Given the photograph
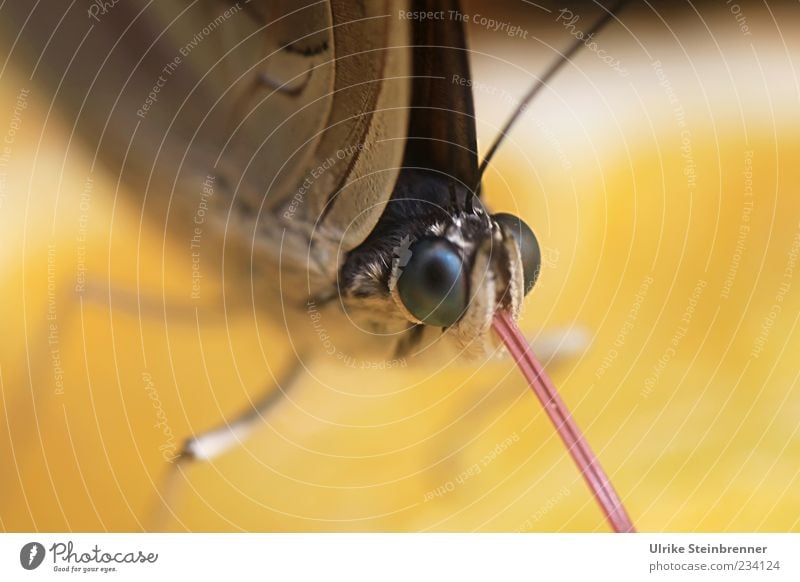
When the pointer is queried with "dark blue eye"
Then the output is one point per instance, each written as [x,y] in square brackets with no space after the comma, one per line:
[433,285]
[528,247]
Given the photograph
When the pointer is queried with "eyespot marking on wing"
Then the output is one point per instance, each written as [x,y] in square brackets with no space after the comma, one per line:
[310,50]
[275,85]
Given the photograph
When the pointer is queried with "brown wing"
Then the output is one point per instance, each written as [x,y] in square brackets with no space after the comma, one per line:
[295,111]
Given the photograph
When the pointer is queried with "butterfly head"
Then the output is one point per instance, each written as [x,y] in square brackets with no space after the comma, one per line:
[458,279]
[445,267]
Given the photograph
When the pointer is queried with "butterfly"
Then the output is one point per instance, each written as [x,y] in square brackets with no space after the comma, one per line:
[319,158]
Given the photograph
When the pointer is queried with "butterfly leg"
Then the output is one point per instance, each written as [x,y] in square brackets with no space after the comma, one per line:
[209,445]
[152,307]
[561,343]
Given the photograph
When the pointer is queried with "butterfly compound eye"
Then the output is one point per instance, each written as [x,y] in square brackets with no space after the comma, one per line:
[528,247]
[433,285]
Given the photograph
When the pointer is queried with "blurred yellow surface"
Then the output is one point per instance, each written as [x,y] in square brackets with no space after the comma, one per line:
[688,391]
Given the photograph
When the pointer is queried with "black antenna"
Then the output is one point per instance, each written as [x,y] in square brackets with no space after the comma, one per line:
[554,68]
